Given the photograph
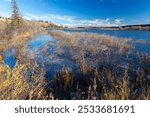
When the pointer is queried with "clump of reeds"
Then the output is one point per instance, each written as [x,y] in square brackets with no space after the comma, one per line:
[90,49]
[63,84]
[24,81]
[102,85]
[103,54]
[101,74]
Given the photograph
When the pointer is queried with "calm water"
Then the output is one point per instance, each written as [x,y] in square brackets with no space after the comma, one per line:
[117,33]
[43,47]
[133,34]
[49,58]
[34,46]
[9,57]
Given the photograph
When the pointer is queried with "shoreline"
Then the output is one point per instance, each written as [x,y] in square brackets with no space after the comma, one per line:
[138,27]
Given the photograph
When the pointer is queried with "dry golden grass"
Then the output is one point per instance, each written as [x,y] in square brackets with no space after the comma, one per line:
[19,82]
[27,31]
[24,81]
[102,86]
[98,58]
[88,49]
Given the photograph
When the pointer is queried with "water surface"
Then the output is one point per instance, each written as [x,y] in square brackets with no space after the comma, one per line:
[43,47]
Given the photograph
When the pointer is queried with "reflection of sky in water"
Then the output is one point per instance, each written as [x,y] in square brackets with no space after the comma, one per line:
[118,33]
[53,62]
[39,41]
[9,57]
[133,34]
[44,50]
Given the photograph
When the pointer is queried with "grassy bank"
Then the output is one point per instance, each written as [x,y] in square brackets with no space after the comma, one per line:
[29,29]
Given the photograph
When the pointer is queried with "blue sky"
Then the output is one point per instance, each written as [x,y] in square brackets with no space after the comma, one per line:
[83,12]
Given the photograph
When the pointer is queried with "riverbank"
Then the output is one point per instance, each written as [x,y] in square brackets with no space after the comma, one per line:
[20,82]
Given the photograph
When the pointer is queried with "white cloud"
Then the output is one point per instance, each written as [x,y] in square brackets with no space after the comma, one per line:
[68,18]
[95,22]
[5,14]
[71,21]
[118,21]
[49,17]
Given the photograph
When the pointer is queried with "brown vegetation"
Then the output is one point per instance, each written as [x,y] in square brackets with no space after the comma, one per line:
[107,67]
[101,74]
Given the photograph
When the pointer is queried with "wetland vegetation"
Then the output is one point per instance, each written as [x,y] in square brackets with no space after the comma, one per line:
[48,64]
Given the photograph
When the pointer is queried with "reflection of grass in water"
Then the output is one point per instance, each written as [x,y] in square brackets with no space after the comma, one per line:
[101,76]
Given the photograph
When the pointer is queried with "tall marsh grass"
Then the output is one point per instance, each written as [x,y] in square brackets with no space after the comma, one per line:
[107,70]
[108,66]
[24,81]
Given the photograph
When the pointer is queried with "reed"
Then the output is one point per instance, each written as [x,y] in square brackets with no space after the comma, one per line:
[107,70]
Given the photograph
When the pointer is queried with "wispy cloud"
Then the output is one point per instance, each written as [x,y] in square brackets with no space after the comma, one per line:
[49,16]
[96,22]
[5,14]
[72,21]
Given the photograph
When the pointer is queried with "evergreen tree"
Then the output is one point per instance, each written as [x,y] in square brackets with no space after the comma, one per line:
[16,18]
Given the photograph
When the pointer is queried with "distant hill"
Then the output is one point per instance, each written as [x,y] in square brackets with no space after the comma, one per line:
[125,27]
[131,27]
[47,24]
